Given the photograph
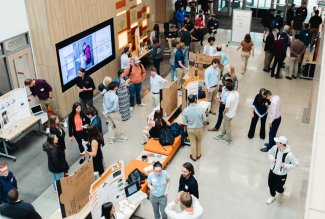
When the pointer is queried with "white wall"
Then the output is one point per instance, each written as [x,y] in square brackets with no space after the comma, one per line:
[13,18]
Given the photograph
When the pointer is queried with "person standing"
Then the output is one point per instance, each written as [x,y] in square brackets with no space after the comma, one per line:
[211,79]
[282,160]
[222,101]
[125,57]
[267,22]
[275,118]
[172,62]
[95,120]
[187,181]
[186,39]
[44,92]
[209,48]
[314,22]
[279,52]
[57,164]
[193,118]
[111,112]
[7,182]
[213,25]
[302,10]
[196,36]
[123,95]
[297,50]
[305,35]
[56,129]
[16,208]
[247,47]
[136,73]
[188,24]
[290,14]
[229,113]
[180,64]
[190,204]
[158,183]
[86,87]
[296,24]
[103,87]
[156,84]
[155,34]
[180,17]
[259,108]
[225,59]
[271,37]
[95,144]
[232,76]
[156,55]
[77,122]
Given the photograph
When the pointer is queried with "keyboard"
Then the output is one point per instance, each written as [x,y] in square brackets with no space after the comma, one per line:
[137,197]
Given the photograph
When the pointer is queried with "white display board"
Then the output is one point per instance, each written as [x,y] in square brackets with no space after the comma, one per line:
[108,188]
[13,107]
[241,24]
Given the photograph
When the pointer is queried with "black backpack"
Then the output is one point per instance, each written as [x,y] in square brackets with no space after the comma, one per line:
[283,157]
[166,137]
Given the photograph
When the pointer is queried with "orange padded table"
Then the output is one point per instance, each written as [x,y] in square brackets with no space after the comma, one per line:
[141,166]
[155,147]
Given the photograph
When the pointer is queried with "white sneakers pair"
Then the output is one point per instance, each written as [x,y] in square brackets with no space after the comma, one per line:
[273,198]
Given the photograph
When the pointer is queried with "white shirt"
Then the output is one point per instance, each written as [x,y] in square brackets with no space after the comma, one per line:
[156,83]
[274,108]
[211,76]
[232,103]
[209,50]
[124,61]
[290,160]
[196,214]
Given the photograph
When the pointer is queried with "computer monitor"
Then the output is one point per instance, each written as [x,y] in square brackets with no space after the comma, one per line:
[132,188]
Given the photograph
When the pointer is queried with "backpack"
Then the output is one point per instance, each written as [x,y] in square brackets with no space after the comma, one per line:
[283,157]
[166,137]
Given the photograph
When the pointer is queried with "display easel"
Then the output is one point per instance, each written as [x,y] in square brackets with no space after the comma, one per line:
[241,25]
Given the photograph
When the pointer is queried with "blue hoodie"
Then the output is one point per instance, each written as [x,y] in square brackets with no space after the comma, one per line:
[6,183]
[180,16]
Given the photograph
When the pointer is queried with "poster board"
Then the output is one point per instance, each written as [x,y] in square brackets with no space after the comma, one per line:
[168,99]
[109,187]
[241,24]
[13,107]
[192,87]
[198,63]
[73,190]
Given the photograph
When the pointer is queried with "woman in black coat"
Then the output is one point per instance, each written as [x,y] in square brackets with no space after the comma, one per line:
[56,162]
[260,106]
[56,129]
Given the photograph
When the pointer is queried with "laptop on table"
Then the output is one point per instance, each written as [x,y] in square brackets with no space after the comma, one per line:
[133,193]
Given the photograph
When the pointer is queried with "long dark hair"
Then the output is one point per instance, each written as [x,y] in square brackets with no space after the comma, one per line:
[53,122]
[260,98]
[158,117]
[248,38]
[74,107]
[50,141]
[156,28]
[106,210]
[94,134]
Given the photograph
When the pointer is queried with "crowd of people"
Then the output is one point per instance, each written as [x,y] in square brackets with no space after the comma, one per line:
[121,95]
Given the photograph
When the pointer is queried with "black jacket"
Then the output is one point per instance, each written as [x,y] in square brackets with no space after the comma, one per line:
[60,135]
[19,210]
[290,16]
[72,126]
[269,42]
[267,20]
[56,161]
[189,185]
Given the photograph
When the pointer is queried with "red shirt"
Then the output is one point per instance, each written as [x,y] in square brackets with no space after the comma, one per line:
[199,22]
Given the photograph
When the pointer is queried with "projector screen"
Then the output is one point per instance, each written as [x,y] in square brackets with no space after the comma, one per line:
[90,49]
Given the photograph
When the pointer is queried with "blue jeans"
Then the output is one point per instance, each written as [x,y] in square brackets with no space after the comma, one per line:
[135,90]
[159,204]
[186,54]
[57,176]
[275,125]
[172,72]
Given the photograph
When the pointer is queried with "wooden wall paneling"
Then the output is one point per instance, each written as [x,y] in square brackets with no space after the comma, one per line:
[168,102]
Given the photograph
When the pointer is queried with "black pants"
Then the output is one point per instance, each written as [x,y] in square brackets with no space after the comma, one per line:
[272,133]
[79,136]
[220,115]
[156,64]
[278,64]
[276,183]
[254,121]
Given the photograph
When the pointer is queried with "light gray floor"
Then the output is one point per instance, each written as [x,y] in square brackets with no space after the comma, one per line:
[232,179]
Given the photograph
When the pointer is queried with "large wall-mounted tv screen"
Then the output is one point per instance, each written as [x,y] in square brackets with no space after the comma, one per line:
[90,49]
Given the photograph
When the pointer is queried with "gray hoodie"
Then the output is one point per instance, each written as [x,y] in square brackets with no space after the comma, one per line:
[289,162]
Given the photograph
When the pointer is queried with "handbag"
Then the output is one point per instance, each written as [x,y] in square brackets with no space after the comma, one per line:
[136,175]
[166,137]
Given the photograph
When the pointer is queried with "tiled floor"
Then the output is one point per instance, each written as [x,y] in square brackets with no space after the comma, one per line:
[232,179]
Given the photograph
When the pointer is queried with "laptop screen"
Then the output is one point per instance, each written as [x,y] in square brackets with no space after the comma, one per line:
[132,188]
[36,109]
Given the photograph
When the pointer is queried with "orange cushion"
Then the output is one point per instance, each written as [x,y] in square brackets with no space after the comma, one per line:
[140,165]
[155,147]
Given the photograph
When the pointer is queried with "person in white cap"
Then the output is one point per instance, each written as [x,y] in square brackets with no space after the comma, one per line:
[282,160]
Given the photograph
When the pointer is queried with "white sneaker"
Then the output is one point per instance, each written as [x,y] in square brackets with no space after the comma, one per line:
[131,108]
[270,200]
[121,139]
[65,124]
[142,104]
[47,130]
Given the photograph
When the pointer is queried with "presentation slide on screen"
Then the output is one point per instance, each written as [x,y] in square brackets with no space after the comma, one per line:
[85,53]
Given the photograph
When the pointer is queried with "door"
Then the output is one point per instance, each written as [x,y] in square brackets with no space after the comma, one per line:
[21,67]
[225,7]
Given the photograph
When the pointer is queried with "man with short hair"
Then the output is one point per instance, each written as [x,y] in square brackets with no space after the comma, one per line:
[302,10]
[187,181]
[180,17]
[156,84]
[213,25]
[275,118]
[7,182]
[197,36]
[191,205]
[290,14]
[209,48]
[193,118]
[297,50]
[296,24]
[279,52]
[16,208]
[229,113]
[305,35]
[113,115]
[282,160]
[271,37]
[188,24]
[136,73]
[86,87]
[186,39]
[225,59]
[44,92]
[315,21]
[95,120]
[211,79]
